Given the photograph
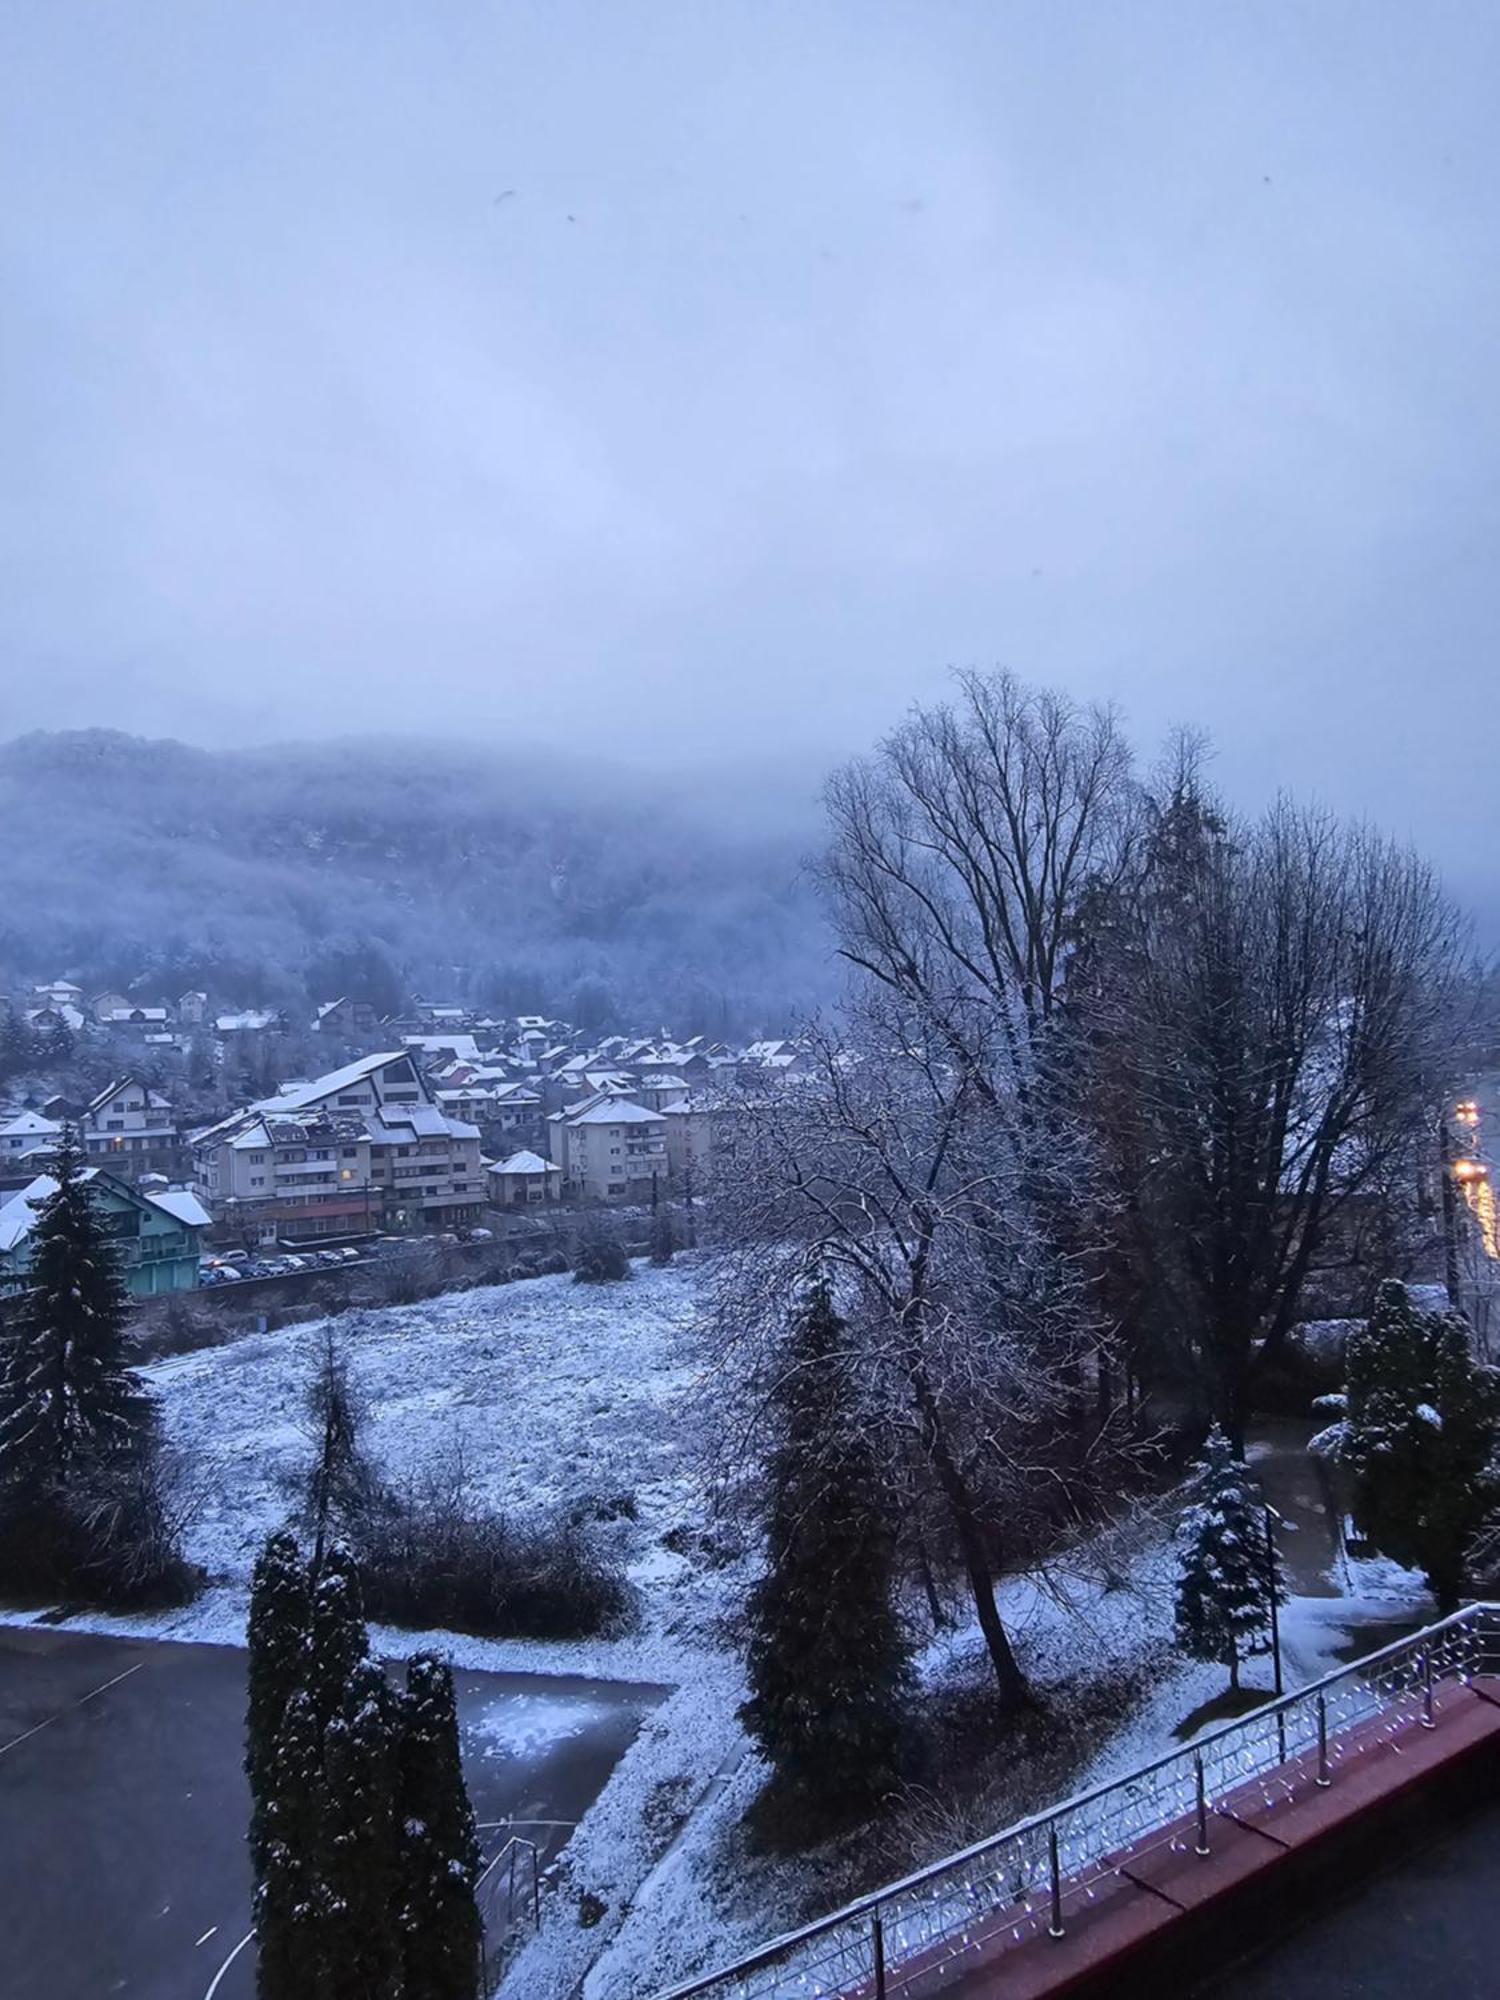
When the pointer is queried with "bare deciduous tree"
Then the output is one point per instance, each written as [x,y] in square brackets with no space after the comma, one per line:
[961,857]
[1273,1035]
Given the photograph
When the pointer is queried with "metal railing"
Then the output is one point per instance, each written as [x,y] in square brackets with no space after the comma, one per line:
[510,1882]
[1031,1877]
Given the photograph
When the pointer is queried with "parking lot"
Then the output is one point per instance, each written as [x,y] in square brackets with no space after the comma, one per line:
[123,1805]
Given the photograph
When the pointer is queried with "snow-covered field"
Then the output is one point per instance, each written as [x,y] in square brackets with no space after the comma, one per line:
[552,1396]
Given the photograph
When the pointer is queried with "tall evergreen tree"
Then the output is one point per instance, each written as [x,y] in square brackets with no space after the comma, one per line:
[17,1044]
[66,1392]
[1229,1569]
[663,1239]
[339,1642]
[278,1640]
[441,1932]
[358,1870]
[1418,1433]
[342,1486]
[828,1659]
[291,1905]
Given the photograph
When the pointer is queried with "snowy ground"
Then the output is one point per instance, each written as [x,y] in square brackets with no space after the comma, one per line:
[556,1394]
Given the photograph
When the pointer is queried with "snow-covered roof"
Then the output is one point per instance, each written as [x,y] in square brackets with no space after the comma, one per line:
[184,1204]
[256,1133]
[247,1022]
[29,1124]
[18,1216]
[525,1163]
[154,1101]
[613,1111]
[327,1086]
[461,1046]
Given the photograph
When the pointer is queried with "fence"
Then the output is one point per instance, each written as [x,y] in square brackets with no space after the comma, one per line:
[1030,1877]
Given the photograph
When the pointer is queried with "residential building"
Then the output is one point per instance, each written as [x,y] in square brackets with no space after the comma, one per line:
[696,1133]
[57,993]
[353,1019]
[609,1149]
[129,1128]
[525,1180]
[158,1235]
[251,1021]
[28,1132]
[365,1147]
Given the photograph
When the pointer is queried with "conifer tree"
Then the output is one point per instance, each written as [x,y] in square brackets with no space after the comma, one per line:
[1418,1434]
[278,1640]
[828,1660]
[663,1241]
[17,1044]
[358,1872]
[66,1392]
[1225,1583]
[441,1933]
[339,1642]
[291,1905]
[342,1487]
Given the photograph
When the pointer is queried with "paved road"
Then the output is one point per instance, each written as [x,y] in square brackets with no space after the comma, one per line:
[123,1806]
[1429,1926]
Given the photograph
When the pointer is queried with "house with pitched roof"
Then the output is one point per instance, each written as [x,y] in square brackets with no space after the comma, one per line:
[158,1236]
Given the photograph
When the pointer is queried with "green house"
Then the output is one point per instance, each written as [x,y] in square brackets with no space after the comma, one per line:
[158,1233]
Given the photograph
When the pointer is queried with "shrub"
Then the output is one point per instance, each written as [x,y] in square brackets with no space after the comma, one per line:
[408,1275]
[116,1548]
[433,1559]
[599,1257]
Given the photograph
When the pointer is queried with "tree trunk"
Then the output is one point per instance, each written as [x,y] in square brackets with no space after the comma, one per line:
[935,1611]
[1014,1693]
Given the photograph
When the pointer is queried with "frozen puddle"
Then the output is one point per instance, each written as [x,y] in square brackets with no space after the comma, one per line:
[527,1726]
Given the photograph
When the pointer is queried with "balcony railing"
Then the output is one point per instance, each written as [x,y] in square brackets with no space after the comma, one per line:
[1029,1877]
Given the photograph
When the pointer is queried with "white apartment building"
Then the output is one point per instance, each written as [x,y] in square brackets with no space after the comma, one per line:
[365,1147]
[609,1149]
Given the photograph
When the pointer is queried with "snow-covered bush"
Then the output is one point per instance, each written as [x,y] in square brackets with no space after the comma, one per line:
[433,1558]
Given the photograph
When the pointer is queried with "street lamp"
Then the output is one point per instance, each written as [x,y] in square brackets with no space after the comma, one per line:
[1272,1521]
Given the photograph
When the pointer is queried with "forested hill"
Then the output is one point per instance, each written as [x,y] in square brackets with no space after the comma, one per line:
[509,881]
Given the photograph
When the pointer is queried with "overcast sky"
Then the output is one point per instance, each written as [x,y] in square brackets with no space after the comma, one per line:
[702,382]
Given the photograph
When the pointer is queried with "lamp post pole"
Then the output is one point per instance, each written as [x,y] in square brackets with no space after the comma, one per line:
[1271,1518]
